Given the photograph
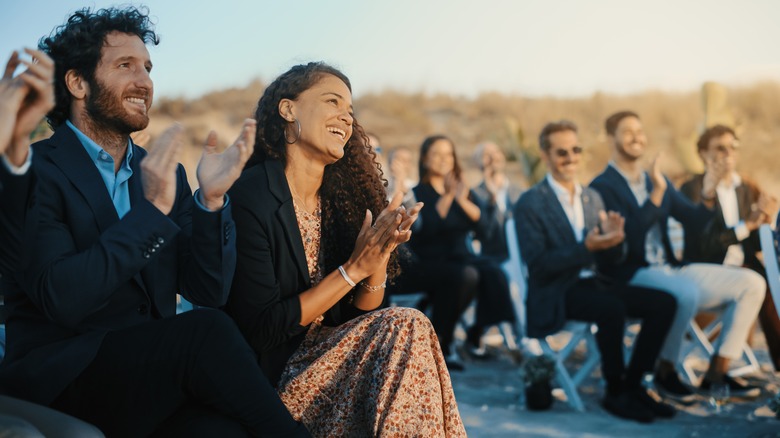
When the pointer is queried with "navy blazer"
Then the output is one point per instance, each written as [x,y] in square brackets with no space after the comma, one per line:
[617,196]
[90,272]
[15,198]
[271,270]
[552,254]
[711,243]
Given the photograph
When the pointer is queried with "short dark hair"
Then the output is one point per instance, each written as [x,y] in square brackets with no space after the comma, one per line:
[713,132]
[614,120]
[552,128]
[78,44]
[425,148]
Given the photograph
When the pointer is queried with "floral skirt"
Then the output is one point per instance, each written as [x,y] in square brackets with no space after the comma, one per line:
[382,374]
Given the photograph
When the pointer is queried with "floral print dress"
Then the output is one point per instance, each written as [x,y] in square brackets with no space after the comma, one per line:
[381,374]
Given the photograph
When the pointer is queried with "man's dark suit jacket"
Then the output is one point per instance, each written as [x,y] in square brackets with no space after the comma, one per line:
[271,270]
[15,197]
[492,237]
[711,243]
[90,272]
[617,196]
[552,254]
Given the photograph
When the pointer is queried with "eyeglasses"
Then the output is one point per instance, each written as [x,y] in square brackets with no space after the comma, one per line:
[563,153]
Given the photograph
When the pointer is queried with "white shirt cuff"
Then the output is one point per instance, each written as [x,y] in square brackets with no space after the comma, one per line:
[741,230]
[21,170]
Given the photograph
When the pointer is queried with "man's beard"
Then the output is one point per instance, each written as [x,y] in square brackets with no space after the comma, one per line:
[621,150]
[106,111]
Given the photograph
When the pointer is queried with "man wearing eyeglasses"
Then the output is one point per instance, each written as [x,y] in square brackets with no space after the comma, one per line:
[741,207]
[647,200]
[563,231]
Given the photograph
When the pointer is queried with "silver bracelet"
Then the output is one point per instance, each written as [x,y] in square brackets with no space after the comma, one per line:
[346,276]
[372,289]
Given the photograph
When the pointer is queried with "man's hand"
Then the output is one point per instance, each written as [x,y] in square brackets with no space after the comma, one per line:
[612,232]
[159,169]
[218,171]
[658,180]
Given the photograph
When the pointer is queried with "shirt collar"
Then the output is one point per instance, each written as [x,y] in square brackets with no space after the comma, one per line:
[625,177]
[736,181]
[94,149]
[561,191]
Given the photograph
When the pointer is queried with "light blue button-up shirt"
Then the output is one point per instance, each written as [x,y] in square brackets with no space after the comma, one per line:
[116,183]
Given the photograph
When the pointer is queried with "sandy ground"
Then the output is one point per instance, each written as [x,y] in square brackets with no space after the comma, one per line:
[489,395]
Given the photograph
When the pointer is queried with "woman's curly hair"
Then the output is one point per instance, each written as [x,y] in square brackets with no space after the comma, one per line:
[78,44]
[350,186]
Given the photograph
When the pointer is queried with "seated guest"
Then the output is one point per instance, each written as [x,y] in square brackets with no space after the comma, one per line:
[92,330]
[313,265]
[740,208]
[497,195]
[647,200]
[563,230]
[443,264]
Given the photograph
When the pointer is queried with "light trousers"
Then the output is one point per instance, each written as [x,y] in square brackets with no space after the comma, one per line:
[735,292]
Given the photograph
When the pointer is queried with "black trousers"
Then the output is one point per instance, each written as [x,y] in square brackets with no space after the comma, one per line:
[609,306]
[189,375]
[450,286]
[494,302]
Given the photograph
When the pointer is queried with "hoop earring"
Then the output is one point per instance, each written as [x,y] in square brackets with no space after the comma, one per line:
[297,136]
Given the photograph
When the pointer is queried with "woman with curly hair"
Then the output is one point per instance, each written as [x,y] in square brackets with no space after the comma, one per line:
[313,266]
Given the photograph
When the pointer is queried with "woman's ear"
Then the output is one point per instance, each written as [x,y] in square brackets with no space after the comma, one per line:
[286,110]
[76,84]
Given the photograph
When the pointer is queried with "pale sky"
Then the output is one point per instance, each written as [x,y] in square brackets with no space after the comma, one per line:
[528,47]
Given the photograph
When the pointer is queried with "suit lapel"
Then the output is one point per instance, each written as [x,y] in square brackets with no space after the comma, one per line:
[743,201]
[72,159]
[590,214]
[558,219]
[285,214]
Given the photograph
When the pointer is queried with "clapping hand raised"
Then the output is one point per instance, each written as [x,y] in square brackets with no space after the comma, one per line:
[376,242]
[609,233]
[218,171]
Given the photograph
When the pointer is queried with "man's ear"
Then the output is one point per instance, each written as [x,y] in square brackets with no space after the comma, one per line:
[286,109]
[77,86]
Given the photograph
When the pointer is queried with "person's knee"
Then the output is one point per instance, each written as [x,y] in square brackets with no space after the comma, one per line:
[470,276]
[755,286]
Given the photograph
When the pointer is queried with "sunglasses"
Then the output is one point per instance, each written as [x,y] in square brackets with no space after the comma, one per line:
[562,153]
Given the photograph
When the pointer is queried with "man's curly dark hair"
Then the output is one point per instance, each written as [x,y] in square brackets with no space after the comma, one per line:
[78,44]
[351,185]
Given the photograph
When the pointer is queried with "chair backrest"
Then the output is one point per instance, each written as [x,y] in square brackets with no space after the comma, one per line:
[769,251]
[515,271]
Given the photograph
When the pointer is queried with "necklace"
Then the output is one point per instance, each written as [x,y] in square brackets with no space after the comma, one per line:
[303,202]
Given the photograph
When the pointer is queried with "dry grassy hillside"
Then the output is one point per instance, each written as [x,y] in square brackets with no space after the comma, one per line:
[672,122]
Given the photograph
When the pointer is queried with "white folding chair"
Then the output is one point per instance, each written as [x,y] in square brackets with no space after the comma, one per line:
[572,335]
[769,251]
[700,339]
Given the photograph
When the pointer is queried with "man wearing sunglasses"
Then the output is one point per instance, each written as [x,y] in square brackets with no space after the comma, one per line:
[741,208]
[563,231]
[647,200]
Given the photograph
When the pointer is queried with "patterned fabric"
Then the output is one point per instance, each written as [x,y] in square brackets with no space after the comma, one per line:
[381,374]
